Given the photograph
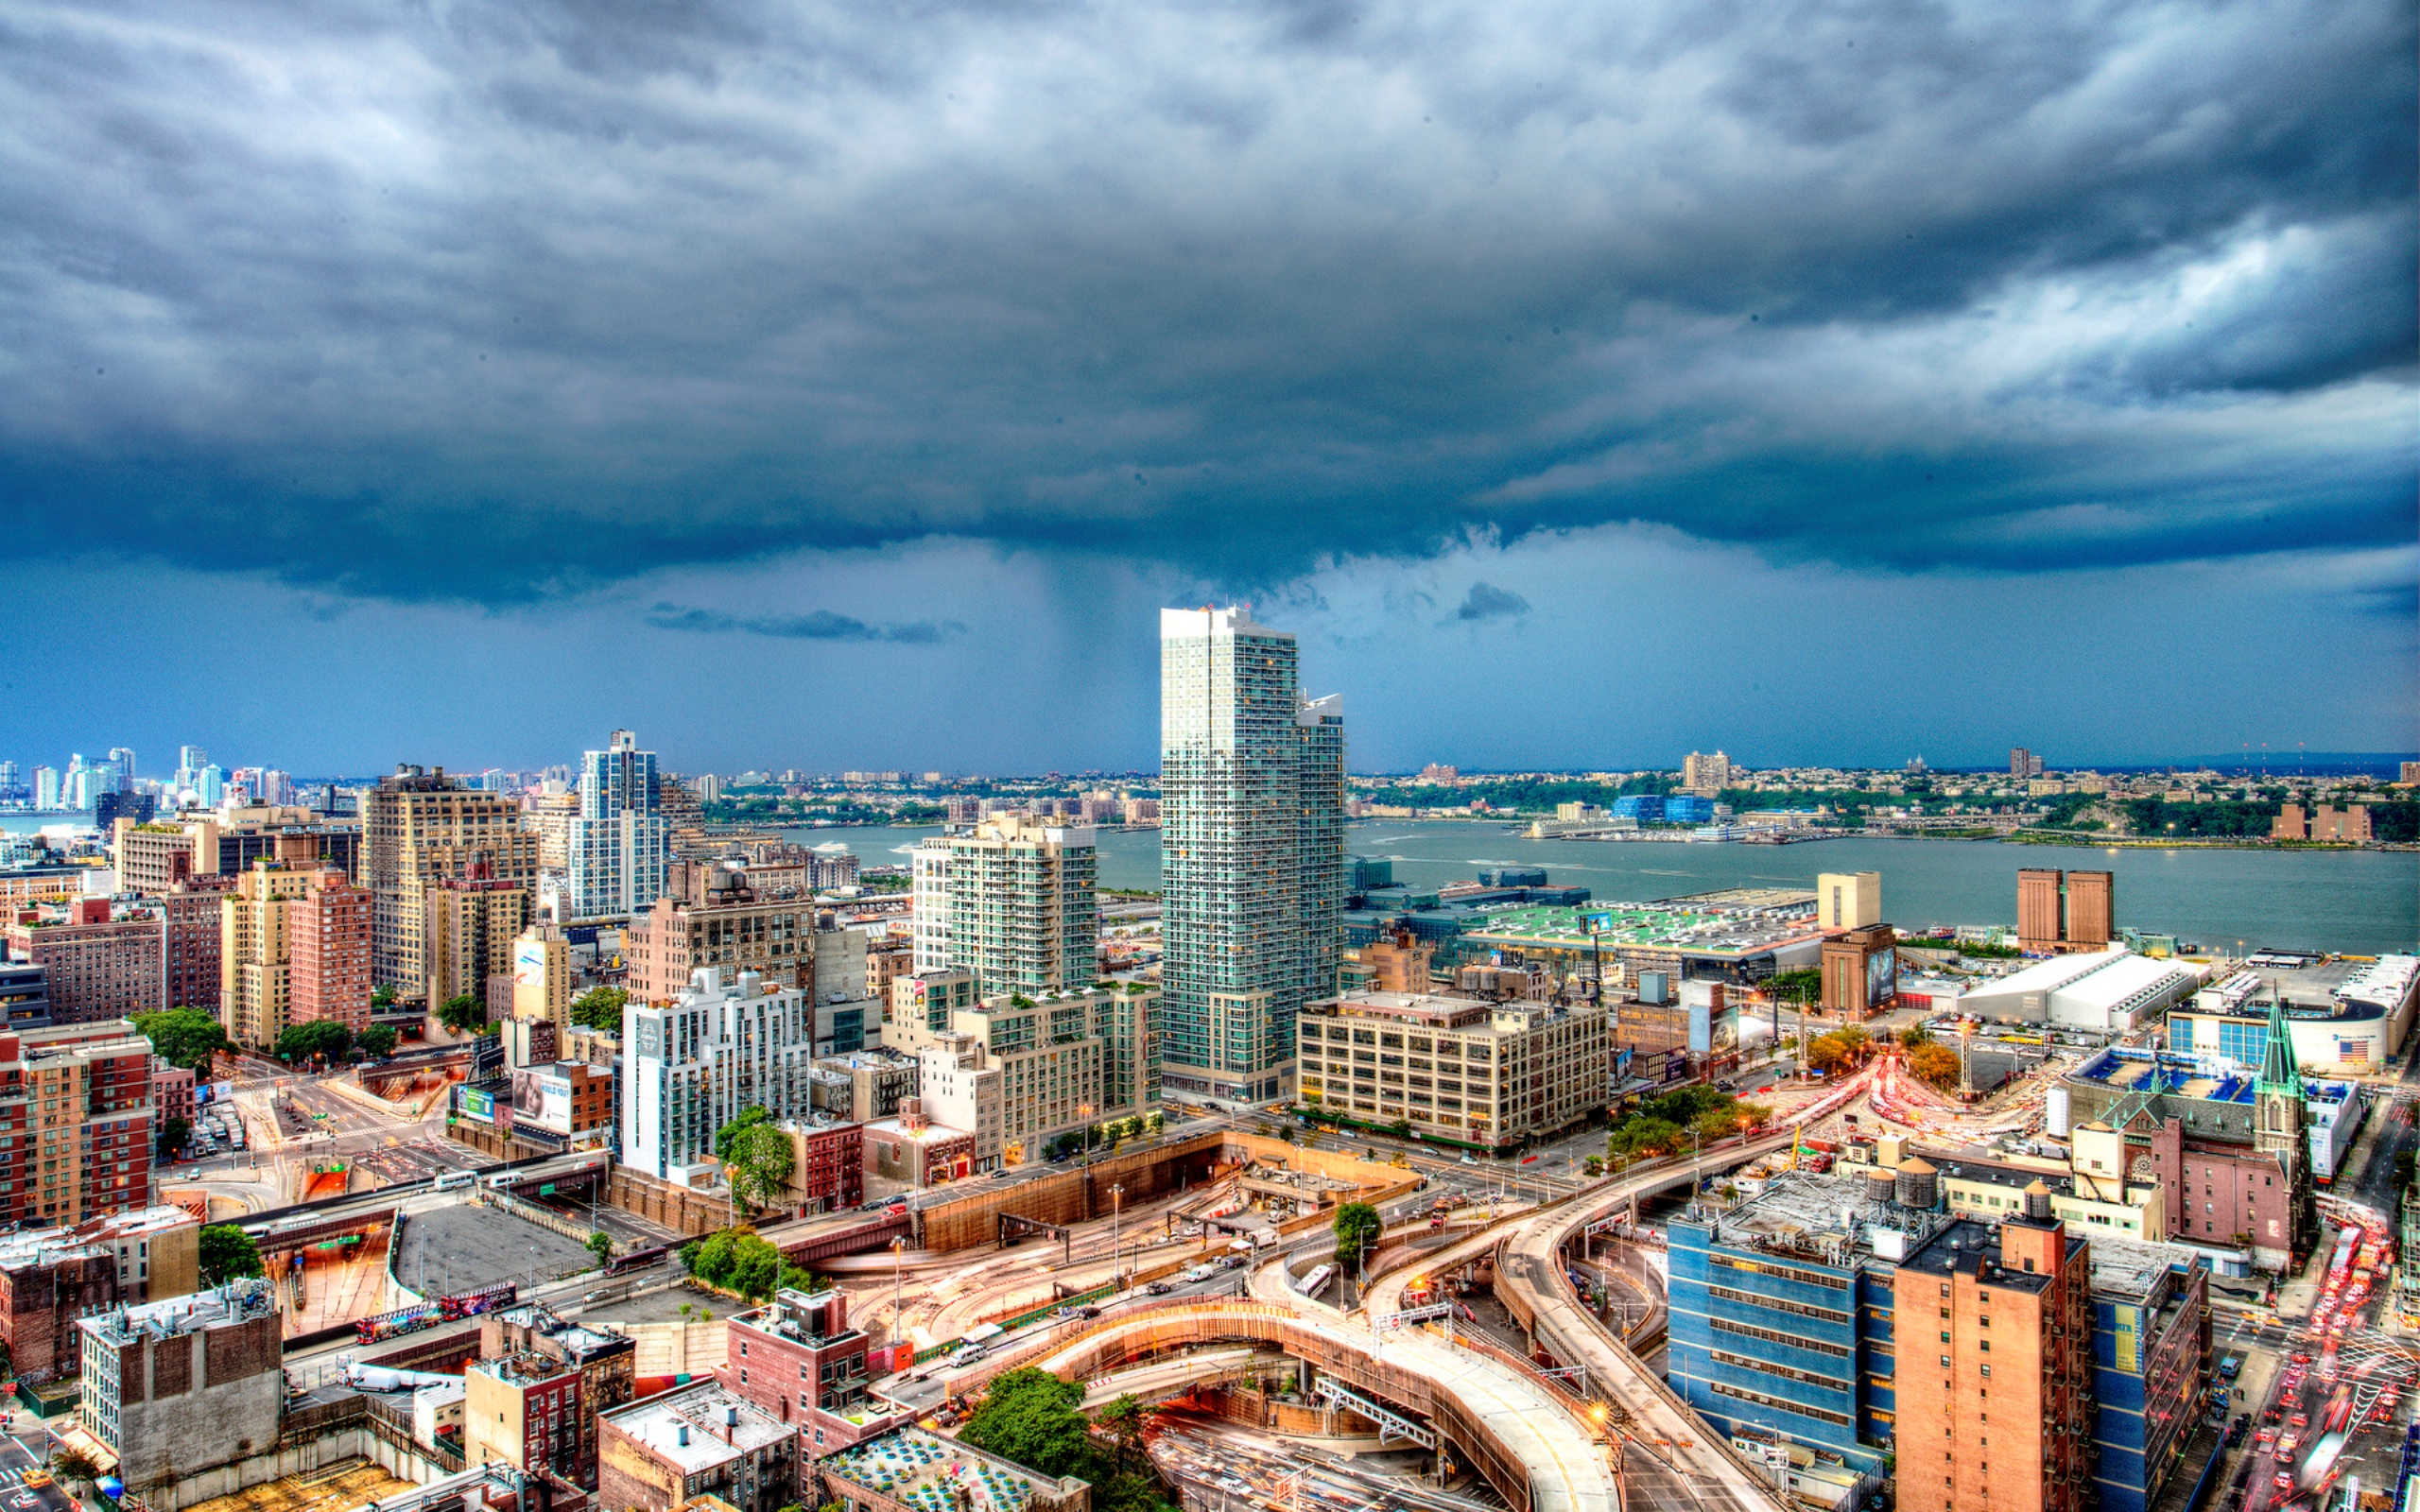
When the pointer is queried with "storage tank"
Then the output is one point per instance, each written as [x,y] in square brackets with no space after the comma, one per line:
[2056,1113]
[2037,1202]
[1880,1186]
[1917,1186]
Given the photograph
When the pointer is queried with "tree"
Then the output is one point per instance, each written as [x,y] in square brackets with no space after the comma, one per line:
[1030,1415]
[183,1036]
[227,1253]
[1936,1064]
[73,1464]
[463,1014]
[724,1137]
[758,1164]
[378,1039]
[601,1244]
[1915,1036]
[174,1133]
[600,1008]
[381,997]
[1593,1166]
[1123,1418]
[309,1041]
[1356,1222]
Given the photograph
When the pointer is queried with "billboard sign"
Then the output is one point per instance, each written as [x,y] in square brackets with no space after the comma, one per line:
[478,1103]
[1881,977]
[541,1099]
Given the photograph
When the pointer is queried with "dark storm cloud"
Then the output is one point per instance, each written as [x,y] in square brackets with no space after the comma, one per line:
[821,626]
[496,302]
[1485,601]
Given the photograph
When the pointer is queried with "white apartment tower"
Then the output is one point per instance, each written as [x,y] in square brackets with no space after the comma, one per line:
[1011,902]
[691,1065]
[1252,815]
[1708,775]
[617,851]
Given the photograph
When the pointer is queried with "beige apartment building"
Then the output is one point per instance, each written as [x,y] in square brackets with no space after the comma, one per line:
[256,953]
[151,858]
[1471,1072]
[717,919]
[420,827]
[542,974]
[1019,1070]
[468,932]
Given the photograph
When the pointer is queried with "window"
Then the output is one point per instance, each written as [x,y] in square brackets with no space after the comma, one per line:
[1987,1370]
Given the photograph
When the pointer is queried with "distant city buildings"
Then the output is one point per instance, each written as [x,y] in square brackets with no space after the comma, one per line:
[2059,911]
[2022,763]
[1705,775]
[1252,808]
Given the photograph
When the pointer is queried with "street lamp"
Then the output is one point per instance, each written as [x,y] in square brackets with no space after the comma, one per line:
[1116,1204]
[898,1253]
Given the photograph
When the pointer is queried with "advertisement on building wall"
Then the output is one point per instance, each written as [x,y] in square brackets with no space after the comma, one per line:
[479,1103]
[1881,977]
[543,1100]
[529,965]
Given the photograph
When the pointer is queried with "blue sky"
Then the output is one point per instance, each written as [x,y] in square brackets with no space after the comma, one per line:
[848,386]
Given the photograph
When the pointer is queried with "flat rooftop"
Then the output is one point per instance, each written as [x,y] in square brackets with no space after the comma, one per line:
[925,1471]
[705,1411]
[235,1302]
[1729,925]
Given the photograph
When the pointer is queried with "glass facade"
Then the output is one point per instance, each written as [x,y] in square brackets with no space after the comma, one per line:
[1252,815]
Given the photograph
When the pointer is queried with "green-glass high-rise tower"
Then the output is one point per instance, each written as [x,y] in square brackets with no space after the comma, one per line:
[1251,847]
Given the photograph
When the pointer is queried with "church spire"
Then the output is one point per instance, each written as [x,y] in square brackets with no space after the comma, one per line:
[2278,1071]
[2278,1095]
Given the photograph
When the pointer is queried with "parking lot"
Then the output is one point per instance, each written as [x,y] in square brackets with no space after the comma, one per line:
[462,1248]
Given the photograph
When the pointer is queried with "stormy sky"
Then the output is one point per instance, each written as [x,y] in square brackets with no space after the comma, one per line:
[841,385]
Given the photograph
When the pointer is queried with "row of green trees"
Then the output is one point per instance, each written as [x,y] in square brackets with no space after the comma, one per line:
[189,1038]
[737,1259]
[1112,1134]
[1672,1122]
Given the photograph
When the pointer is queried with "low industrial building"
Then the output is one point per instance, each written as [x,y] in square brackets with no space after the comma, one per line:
[909,1469]
[2100,991]
[2348,1019]
[1740,935]
[1457,1070]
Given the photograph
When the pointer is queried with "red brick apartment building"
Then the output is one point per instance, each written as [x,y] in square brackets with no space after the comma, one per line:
[327,933]
[2004,1423]
[104,960]
[802,1363]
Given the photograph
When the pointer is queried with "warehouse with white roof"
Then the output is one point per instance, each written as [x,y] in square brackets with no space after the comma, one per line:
[2103,992]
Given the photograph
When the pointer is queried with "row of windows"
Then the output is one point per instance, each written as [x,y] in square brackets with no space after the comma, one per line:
[1778,1304]
[1767,1268]
[1775,1336]
[1768,1368]
[1726,1390]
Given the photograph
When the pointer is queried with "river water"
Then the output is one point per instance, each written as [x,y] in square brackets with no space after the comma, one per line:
[2357,901]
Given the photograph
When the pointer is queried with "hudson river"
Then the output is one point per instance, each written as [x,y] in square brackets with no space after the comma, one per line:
[2360,902]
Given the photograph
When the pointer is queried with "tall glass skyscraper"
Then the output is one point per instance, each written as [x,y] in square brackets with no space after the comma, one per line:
[1251,847]
[617,851]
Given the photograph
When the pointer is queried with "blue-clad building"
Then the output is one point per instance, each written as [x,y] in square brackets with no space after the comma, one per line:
[1782,1324]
